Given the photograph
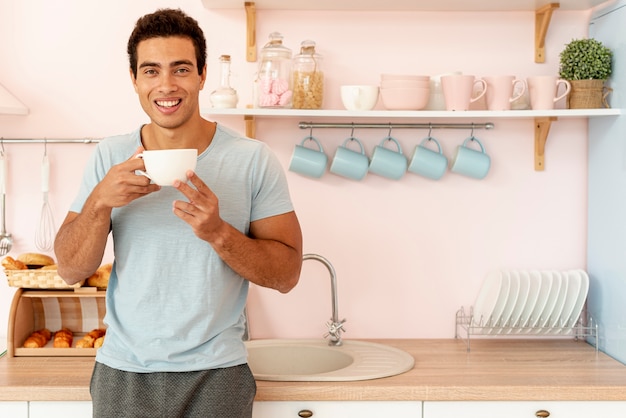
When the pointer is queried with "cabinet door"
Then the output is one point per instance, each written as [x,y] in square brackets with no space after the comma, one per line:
[569,409]
[338,409]
[14,409]
[60,409]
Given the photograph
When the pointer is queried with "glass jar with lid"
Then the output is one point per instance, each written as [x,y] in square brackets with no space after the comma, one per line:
[308,78]
[273,79]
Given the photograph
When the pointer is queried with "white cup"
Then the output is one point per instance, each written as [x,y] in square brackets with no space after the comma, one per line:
[543,91]
[359,97]
[164,166]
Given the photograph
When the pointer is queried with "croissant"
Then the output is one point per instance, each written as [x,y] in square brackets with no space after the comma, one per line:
[38,339]
[63,338]
[9,263]
[90,338]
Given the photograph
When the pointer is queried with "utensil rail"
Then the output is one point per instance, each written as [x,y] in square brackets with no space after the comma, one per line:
[352,125]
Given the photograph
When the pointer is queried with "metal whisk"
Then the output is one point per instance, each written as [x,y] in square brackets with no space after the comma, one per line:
[44,237]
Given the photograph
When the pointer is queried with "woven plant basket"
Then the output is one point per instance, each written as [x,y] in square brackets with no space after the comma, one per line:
[588,94]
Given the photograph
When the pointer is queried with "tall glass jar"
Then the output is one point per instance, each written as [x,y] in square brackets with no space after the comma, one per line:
[273,79]
[224,96]
[308,78]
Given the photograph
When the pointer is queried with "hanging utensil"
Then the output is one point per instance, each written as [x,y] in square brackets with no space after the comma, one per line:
[6,240]
[44,237]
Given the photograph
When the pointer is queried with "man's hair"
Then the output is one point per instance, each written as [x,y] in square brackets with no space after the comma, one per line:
[167,23]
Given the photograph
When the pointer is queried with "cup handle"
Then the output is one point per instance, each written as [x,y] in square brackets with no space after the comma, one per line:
[312,138]
[430,138]
[345,143]
[141,172]
[483,91]
[473,138]
[522,89]
[392,139]
[567,85]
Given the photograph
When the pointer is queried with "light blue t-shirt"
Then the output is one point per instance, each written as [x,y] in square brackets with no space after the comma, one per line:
[172,304]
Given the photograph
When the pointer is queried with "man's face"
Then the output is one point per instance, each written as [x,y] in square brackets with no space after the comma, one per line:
[167,82]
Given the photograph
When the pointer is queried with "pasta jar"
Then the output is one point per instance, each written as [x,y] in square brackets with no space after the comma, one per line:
[308,78]
[273,79]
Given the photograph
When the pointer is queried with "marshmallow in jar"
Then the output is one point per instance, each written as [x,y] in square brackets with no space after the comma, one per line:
[273,80]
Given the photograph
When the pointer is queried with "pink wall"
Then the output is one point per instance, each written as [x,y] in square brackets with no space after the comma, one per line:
[408,253]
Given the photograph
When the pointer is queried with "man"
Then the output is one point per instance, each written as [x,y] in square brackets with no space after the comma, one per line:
[184,255]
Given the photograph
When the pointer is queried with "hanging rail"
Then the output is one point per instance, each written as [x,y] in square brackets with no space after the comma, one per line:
[313,125]
[49,141]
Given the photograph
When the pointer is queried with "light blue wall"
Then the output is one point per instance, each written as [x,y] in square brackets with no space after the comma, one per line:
[606,249]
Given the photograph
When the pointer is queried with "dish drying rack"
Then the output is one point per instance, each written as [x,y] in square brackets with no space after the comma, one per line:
[466,326]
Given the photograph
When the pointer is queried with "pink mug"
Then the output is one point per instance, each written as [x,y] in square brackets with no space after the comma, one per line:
[543,91]
[502,91]
[458,90]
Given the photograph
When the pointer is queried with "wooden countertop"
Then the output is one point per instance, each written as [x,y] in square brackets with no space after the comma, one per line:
[495,369]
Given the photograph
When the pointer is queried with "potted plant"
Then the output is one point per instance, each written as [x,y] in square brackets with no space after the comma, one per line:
[586,64]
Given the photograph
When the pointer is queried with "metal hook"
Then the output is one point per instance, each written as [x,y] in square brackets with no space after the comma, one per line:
[472,133]
[311,130]
[2,145]
[430,130]
[390,128]
[352,131]
[45,147]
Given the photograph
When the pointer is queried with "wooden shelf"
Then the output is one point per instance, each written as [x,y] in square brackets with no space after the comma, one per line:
[423,5]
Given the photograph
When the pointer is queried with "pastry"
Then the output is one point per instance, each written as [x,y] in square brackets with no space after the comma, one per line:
[38,339]
[101,277]
[98,343]
[63,338]
[35,260]
[90,338]
[9,263]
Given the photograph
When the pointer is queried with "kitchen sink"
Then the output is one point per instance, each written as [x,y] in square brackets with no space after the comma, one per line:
[307,360]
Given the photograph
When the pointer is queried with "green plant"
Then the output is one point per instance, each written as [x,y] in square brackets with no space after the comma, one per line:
[584,59]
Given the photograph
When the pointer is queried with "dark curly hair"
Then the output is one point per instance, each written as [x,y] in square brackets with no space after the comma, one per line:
[166,23]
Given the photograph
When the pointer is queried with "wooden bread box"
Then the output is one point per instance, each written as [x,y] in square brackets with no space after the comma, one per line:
[80,310]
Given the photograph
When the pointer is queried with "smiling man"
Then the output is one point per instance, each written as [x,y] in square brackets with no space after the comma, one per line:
[184,254]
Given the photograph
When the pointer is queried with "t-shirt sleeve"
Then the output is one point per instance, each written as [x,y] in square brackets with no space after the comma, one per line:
[271,191]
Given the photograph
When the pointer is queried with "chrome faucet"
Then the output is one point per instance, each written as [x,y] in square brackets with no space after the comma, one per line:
[335,326]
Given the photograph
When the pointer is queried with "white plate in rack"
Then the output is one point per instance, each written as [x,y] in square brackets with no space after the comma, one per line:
[534,287]
[487,298]
[574,281]
[521,302]
[536,317]
[514,285]
[580,299]
[551,304]
[503,297]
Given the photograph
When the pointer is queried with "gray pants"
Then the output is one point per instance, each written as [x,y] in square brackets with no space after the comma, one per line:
[220,393]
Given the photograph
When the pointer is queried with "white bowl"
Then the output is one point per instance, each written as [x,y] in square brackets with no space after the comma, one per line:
[359,97]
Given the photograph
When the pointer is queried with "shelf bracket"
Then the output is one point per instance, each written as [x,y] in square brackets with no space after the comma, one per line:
[542,128]
[542,22]
[250,126]
[250,31]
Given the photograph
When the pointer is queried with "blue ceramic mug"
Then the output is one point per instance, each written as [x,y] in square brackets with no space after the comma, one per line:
[428,163]
[388,163]
[471,162]
[308,161]
[349,163]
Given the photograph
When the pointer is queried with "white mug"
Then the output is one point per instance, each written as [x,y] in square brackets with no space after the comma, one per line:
[359,97]
[164,166]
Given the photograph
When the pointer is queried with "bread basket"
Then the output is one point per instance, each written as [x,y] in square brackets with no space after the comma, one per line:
[38,279]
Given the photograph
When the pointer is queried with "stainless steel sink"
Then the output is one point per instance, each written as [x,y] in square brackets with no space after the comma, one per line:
[314,360]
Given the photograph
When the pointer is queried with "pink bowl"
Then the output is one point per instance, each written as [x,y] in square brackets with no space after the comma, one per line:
[404,77]
[405,98]
[404,83]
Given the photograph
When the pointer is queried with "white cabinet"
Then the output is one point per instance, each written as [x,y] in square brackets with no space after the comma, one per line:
[525,409]
[14,409]
[336,409]
[59,409]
